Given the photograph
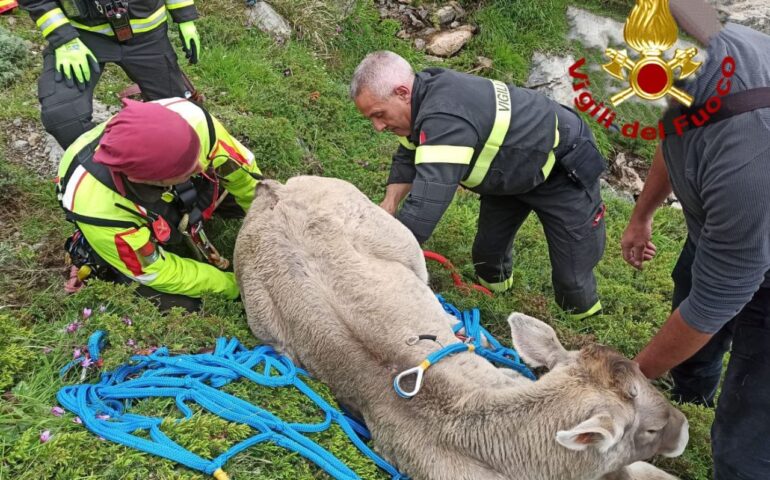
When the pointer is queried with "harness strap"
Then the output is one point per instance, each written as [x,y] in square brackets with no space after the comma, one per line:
[98,222]
[732,105]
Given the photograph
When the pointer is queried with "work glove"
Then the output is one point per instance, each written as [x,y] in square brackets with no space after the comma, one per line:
[191,42]
[74,59]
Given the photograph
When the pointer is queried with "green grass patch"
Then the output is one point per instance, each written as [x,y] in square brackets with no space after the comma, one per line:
[289,105]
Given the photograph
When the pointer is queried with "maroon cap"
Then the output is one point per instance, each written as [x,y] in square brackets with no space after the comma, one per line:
[147,141]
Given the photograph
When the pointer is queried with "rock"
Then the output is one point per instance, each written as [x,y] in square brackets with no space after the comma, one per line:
[434,59]
[752,13]
[416,22]
[550,75]
[419,44]
[595,31]
[264,17]
[627,178]
[484,63]
[447,43]
[404,35]
[444,15]
[16,122]
[20,144]
[676,205]
[33,139]
[454,24]
[55,153]
[459,10]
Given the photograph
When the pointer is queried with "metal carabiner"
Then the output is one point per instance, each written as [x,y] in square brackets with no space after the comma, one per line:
[418,371]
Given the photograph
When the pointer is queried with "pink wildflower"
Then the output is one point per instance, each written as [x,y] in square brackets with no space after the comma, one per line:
[47,350]
[77,353]
[57,411]
[127,321]
[131,342]
[77,420]
[73,327]
[87,362]
[103,417]
[102,308]
[45,436]
[86,313]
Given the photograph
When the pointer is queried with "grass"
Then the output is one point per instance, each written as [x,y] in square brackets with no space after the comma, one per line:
[289,105]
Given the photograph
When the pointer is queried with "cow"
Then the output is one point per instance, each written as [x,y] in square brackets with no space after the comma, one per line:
[340,286]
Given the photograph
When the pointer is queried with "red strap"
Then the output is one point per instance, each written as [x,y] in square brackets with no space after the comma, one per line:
[456,278]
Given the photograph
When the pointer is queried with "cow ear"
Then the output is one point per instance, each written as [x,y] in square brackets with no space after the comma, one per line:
[599,431]
[536,341]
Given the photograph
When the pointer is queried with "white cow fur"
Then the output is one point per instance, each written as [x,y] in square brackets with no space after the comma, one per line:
[336,283]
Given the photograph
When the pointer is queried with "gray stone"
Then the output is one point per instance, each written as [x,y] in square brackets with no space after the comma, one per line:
[444,15]
[550,75]
[447,43]
[16,122]
[628,179]
[595,31]
[419,44]
[20,144]
[752,13]
[264,17]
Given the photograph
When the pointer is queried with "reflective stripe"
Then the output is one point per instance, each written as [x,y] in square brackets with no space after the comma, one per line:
[174,4]
[552,154]
[140,25]
[590,312]
[499,286]
[406,143]
[496,136]
[52,20]
[68,199]
[443,154]
[147,24]
[7,3]
[103,29]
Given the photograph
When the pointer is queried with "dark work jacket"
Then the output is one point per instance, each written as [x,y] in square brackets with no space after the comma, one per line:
[458,110]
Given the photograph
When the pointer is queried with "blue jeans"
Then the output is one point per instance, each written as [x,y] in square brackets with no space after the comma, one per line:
[740,435]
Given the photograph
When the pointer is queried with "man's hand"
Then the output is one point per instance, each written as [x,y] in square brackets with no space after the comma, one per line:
[394,193]
[636,244]
[75,59]
[191,41]
[389,206]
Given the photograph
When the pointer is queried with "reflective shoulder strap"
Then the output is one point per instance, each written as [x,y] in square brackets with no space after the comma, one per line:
[496,136]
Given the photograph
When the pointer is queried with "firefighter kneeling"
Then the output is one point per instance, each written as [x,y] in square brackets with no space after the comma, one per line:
[146,179]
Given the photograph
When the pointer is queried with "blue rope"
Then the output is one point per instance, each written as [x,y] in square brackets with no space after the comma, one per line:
[470,321]
[96,343]
[197,378]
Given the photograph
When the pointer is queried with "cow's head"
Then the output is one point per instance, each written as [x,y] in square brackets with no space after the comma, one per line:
[623,415]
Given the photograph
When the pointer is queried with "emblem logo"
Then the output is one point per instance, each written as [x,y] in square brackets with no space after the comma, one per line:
[651,31]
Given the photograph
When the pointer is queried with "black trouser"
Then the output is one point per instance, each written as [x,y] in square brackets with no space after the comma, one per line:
[148,59]
[574,229]
[741,427]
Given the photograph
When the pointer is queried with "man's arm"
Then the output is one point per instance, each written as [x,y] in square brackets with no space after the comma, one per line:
[674,343]
[236,165]
[51,20]
[441,161]
[731,262]
[394,194]
[134,254]
[182,10]
[402,173]
[636,245]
